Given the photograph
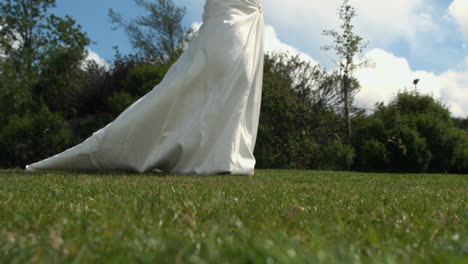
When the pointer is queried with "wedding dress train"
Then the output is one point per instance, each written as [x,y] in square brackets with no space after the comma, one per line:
[203,116]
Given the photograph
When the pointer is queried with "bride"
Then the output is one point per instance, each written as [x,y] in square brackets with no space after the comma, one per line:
[203,116]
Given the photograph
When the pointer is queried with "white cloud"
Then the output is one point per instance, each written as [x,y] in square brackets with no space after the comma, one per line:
[459,10]
[381,22]
[392,74]
[455,91]
[387,21]
[274,44]
[93,56]
[196,26]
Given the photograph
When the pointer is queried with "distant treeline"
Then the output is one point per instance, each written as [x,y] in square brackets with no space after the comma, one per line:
[52,99]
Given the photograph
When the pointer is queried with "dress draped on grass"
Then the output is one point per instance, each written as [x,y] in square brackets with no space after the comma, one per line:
[274,217]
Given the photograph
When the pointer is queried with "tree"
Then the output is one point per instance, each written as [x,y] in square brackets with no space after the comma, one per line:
[37,46]
[413,133]
[346,45]
[159,35]
[28,32]
[461,123]
[41,71]
[298,127]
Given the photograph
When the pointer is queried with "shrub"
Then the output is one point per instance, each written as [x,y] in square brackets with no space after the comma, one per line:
[118,102]
[84,127]
[408,151]
[32,137]
[296,131]
[373,155]
[143,78]
[414,133]
[335,155]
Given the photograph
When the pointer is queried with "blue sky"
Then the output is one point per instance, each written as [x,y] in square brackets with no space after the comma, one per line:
[92,16]
[408,39]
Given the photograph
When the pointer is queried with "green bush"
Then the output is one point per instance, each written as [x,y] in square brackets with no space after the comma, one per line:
[84,127]
[118,102]
[373,155]
[461,154]
[296,132]
[336,156]
[32,137]
[408,151]
[143,78]
[414,133]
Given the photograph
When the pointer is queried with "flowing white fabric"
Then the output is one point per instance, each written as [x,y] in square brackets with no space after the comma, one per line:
[203,116]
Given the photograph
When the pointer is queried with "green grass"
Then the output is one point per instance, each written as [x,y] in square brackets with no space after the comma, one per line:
[274,217]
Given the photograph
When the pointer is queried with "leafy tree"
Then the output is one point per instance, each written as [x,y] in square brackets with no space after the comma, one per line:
[42,54]
[140,80]
[144,77]
[159,35]
[298,129]
[33,136]
[346,45]
[414,133]
[29,35]
[461,123]
[41,70]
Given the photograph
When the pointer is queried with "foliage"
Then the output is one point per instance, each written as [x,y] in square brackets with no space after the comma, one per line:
[32,137]
[84,126]
[43,54]
[24,30]
[298,128]
[346,45]
[159,35]
[139,79]
[461,123]
[414,133]
[120,101]
[41,78]
[16,95]
[61,80]
[144,77]
[273,217]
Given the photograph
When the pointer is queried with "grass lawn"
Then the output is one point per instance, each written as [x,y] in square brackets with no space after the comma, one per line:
[274,217]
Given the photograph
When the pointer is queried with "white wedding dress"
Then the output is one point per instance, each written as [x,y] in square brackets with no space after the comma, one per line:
[203,116]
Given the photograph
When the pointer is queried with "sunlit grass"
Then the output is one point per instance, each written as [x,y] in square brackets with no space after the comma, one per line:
[274,217]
